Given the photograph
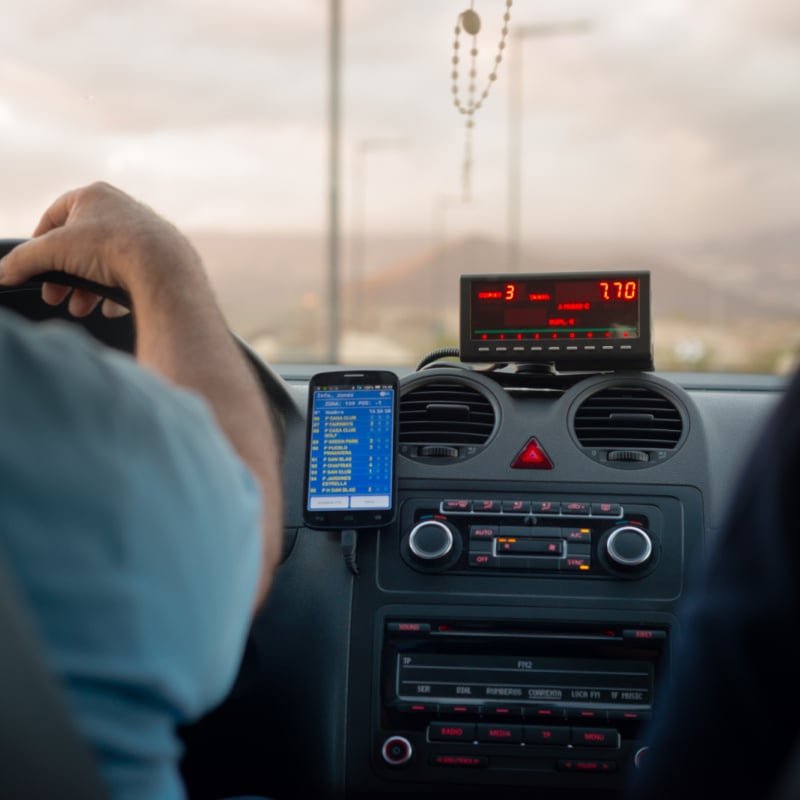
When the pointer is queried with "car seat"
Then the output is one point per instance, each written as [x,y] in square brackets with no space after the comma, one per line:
[41,754]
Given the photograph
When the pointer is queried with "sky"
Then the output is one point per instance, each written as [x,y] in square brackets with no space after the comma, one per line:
[670,120]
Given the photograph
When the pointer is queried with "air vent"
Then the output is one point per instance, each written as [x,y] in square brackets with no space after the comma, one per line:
[445,420]
[630,425]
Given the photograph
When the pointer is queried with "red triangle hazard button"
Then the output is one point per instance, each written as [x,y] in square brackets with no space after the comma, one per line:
[532,456]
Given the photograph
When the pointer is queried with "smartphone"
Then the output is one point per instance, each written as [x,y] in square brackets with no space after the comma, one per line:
[351,450]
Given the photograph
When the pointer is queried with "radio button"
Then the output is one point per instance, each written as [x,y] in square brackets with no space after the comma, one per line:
[589,766]
[499,733]
[543,734]
[487,506]
[451,732]
[457,506]
[546,507]
[482,532]
[521,507]
[447,760]
[595,737]
[606,510]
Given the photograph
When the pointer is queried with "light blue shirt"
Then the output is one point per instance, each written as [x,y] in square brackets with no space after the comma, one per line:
[133,532]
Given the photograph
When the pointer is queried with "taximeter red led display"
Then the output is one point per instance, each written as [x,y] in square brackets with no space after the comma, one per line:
[559,318]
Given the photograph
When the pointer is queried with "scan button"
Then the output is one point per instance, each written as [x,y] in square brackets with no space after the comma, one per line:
[587,766]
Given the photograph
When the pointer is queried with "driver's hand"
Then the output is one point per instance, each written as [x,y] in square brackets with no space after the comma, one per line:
[101,234]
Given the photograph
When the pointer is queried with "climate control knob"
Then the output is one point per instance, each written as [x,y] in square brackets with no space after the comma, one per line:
[629,546]
[431,540]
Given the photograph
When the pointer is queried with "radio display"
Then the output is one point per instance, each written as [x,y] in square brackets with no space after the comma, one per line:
[591,318]
[497,678]
[523,665]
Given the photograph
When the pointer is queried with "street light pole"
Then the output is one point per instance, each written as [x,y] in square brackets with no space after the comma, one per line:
[442,204]
[358,243]
[514,201]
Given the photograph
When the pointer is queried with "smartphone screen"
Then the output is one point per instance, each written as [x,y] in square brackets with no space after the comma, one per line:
[351,451]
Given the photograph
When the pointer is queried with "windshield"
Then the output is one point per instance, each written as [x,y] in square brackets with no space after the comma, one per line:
[338,173]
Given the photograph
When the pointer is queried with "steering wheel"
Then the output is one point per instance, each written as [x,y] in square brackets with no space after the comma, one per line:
[120,332]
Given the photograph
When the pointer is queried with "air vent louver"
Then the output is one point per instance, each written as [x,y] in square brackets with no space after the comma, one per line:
[628,417]
[448,413]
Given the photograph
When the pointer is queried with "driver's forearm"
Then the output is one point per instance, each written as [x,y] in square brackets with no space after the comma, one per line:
[182,335]
[101,234]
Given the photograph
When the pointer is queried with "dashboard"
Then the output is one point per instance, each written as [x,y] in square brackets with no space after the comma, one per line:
[511,629]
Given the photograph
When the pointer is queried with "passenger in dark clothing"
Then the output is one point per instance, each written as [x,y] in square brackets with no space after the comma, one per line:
[727,723]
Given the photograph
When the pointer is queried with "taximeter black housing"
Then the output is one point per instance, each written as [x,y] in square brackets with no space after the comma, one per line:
[571,321]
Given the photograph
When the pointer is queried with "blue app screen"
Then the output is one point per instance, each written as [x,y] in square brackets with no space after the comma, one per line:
[351,458]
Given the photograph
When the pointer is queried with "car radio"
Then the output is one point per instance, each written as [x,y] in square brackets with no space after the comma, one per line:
[516,698]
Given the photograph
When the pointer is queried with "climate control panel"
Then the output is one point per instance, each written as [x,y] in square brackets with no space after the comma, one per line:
[497,535]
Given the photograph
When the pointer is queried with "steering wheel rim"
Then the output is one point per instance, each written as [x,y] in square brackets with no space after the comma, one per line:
[273,385]
[114,293]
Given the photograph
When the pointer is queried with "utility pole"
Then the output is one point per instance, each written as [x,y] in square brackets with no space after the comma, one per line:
[442,205]
[334,160]
[358,236]
[515,95]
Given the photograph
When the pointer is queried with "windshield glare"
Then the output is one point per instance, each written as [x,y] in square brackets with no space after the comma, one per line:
[658,135]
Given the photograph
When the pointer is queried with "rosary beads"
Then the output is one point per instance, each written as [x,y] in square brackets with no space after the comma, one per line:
[470,23]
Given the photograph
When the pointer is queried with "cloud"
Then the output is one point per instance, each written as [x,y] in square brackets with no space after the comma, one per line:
[672,118]
[157,65]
